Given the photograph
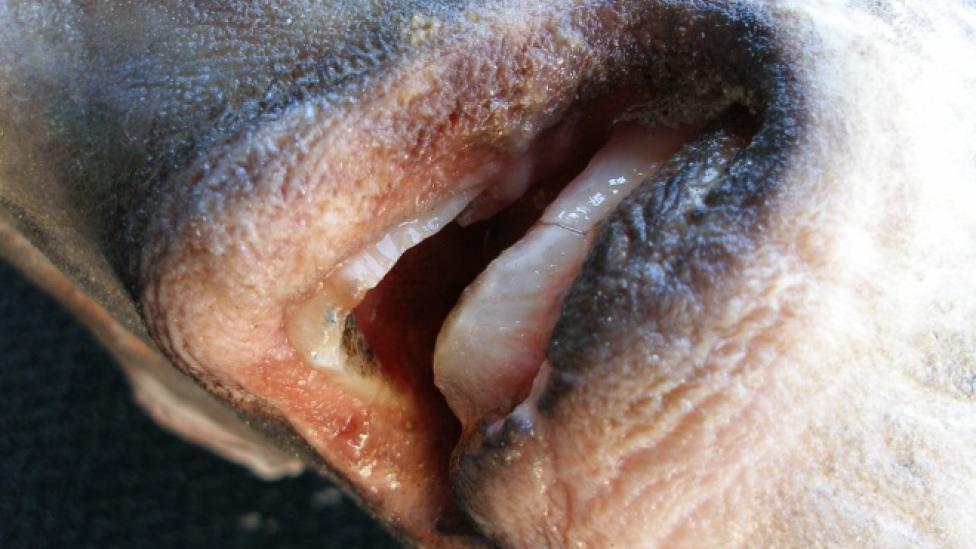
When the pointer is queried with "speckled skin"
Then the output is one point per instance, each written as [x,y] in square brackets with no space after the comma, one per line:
[785,358]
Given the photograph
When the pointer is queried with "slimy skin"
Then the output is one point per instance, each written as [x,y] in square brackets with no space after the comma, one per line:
[770,341]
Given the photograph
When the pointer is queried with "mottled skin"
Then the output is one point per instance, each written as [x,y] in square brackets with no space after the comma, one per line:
[768,345]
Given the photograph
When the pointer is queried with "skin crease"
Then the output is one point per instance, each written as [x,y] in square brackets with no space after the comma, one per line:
[795,368]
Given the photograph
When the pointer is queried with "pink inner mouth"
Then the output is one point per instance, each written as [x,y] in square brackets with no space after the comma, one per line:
[470,308]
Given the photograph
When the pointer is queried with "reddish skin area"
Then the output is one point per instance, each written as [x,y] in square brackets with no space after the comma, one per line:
[366,435]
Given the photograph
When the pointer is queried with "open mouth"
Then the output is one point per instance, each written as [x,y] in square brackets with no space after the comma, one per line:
[559,273]
[452,308]
[386,284]
[471,289]
[464,296]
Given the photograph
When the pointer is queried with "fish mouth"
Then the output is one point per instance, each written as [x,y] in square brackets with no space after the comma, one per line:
[383,278]
[466,295]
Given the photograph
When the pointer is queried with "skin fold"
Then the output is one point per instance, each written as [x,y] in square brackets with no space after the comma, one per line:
[771,341]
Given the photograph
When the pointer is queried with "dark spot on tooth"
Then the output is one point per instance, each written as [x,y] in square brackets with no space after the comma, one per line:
[360,353]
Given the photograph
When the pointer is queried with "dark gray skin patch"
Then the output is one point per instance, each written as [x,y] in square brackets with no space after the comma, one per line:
[669,243]
[643,261]
[331,72]
[135,94]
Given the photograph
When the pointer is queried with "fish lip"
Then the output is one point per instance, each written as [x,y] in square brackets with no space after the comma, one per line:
[166,243]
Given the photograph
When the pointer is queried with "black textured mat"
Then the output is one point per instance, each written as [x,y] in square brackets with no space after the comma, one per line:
[82,467]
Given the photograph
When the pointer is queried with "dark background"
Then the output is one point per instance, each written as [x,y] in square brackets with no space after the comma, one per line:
[81,466]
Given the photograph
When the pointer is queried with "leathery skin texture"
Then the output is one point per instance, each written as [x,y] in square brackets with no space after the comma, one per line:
[770,341]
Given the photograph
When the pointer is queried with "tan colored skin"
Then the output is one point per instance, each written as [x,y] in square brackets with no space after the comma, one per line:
[816,389]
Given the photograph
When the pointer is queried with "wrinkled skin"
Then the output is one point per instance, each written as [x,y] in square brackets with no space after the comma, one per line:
[790,360]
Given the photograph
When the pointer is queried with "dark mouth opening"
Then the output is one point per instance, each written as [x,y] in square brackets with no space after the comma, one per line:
[400,319]
[402,316]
